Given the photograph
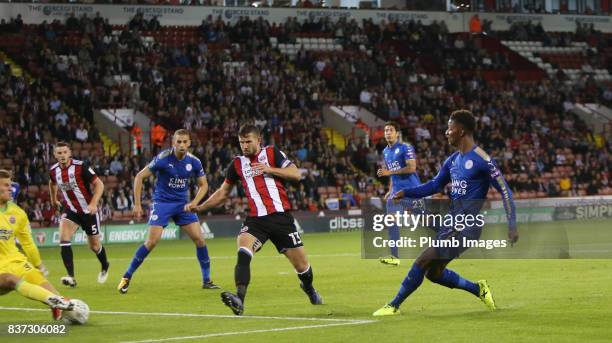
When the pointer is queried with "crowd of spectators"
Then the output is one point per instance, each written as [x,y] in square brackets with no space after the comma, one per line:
[542,147]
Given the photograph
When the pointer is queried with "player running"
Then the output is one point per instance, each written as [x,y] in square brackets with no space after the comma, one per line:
[400,165]
[471,171]
[261,172]
[173,168]
[18,272]
[73,178]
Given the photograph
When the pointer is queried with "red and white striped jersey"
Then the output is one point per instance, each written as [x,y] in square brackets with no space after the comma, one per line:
[74,184]
[266,193]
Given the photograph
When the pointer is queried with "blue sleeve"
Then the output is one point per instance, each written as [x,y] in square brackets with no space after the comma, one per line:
[198,169]
[281,159]
[409,153]
[434,186]
[156,164]
[15,189]
[499,182]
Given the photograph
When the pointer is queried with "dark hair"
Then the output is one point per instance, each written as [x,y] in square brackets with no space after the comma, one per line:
[62,144]
[248,128]
[465,118]
[394,124]
[181,132]
[5,174]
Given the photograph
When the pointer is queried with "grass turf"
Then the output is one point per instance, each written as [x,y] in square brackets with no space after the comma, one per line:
[538,300]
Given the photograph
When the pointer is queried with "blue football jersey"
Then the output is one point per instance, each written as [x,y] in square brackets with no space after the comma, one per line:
[396,156]
[14,189]
[470,175]
[174,175]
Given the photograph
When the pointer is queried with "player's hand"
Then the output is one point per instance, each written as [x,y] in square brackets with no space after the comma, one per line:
[197,209]
[41,267]
[398,196]
[388,195]
[383,172]
[56,205]
[513,236]
[190,207]
[261,167]
[93,208]
[137,211]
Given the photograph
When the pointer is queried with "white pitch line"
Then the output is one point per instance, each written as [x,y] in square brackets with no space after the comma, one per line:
[170,314]
[170,258]
[251,332]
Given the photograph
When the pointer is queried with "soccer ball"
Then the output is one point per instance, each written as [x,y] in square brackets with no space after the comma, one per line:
[78,315]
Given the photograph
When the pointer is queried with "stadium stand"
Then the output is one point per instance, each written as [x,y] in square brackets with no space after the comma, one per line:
[211,78]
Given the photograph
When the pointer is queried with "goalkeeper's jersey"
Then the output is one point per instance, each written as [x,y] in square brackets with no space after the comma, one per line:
[14,223]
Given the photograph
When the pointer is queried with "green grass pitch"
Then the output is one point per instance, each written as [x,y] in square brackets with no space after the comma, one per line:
[538,300]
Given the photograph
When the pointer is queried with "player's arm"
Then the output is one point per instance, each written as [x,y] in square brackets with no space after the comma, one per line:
[216,199]
[283,167]
[53,194]
[202,189]
[143,174]
[499,182]
[97,195]
[23,233]
[434,186]
[291,172]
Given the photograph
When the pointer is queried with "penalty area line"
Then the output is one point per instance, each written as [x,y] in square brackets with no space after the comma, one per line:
[201,315]
[236,333]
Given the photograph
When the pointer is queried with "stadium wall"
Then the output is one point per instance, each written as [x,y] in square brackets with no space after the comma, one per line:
[528,211]
[193,15]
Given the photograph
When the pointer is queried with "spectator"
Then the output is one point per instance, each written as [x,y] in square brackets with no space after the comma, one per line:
[81,133]
[116,167]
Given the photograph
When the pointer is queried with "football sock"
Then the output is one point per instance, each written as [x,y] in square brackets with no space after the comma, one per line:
[202,253]
[394,235]
[306,278]
[141,254]
[394,230]
[66,248]
[101,255]
[32,291]
[242,272]
[411,282]
[451,279]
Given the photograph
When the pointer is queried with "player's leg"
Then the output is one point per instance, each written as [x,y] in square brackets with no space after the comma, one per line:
[299,260]
[92,229]
[441,275]
[194,232]
[190,223]
[394,235]
[10,281]
[438,273]
[411,282]
[158,220]
[155,233]
[35,277]
[67,227]
[247,246]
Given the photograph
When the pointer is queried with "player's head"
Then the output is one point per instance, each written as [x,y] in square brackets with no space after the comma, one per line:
[249,137]
[460,124]
[392,132]
[62,152]
[181,141]
[5,186]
